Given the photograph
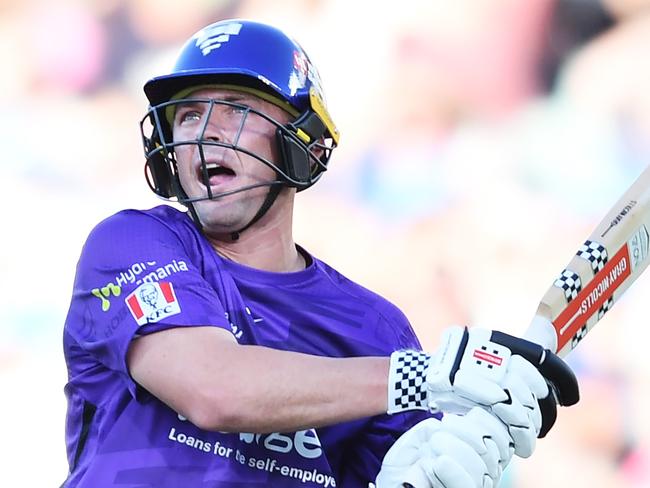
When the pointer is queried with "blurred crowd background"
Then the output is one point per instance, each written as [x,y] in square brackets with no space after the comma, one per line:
[482,140]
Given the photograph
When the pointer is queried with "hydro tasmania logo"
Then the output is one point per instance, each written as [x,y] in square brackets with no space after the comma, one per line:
[213,37]
[152,302]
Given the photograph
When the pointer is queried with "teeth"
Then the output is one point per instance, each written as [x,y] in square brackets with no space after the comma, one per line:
[212,166]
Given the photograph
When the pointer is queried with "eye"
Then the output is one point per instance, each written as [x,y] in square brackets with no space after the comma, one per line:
[187,115]
[239,109]
[190,115]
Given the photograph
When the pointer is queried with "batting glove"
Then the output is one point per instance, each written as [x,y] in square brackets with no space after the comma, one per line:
[517,380]
[459,451]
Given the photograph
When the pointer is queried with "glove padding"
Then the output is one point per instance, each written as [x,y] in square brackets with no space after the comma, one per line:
[519,381]
[521,413]
[459,451]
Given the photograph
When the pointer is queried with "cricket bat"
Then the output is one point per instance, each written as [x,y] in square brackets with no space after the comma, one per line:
[609,261]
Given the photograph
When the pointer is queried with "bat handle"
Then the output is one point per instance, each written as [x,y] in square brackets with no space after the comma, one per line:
[541,331]
[560,376]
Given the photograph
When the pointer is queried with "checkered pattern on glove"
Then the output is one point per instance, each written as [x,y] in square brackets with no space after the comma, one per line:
[406,378]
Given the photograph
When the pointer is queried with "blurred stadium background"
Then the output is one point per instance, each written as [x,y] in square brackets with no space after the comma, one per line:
[481,142]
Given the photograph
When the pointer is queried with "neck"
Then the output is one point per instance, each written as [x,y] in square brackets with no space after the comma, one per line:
[267,245]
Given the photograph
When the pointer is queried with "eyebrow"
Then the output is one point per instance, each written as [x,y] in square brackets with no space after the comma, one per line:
[231,97]
[236,97]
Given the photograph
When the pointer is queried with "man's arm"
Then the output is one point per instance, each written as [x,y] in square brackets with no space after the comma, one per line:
[203,374]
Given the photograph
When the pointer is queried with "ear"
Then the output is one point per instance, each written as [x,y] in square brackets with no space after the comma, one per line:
[158,170]
[294,157]
[298,143]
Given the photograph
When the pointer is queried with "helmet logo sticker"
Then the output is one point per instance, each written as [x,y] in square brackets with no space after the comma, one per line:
[213,37]
[298,77]
[304,70]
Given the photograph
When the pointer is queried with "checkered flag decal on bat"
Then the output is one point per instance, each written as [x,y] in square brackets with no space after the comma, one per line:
[406,378]
[570,283]
[580,334]
[595,253]
[605,307]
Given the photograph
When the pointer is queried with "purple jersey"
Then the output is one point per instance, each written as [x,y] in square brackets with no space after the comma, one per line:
[146,271]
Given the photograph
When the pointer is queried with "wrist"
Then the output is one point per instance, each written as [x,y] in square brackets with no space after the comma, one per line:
[407,374]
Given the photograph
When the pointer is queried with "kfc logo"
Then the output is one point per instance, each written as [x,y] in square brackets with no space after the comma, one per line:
[152,302]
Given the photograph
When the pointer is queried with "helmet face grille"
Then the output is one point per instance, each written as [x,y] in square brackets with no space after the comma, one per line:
[301,163]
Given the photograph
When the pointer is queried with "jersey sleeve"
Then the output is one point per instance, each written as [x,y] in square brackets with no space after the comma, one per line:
[395,329]
[138,275]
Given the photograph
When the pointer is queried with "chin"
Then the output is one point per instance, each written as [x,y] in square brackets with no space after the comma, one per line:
[228,214]
[217,219]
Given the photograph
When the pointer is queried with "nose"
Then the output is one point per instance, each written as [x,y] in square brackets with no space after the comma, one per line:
[212,127]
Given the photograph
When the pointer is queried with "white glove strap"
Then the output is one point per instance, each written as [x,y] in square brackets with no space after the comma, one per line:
[406,376]
[466,371]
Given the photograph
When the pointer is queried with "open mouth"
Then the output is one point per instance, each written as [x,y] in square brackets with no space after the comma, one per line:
[217,174]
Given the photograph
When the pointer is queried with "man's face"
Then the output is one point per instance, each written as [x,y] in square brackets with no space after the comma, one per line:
[228,169]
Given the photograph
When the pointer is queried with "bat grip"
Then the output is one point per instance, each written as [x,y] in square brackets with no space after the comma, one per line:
[541,331]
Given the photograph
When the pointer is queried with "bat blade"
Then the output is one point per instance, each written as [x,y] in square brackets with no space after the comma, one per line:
[610,260]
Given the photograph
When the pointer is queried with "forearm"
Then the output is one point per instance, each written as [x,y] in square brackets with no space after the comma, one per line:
[283,391]
[220,385]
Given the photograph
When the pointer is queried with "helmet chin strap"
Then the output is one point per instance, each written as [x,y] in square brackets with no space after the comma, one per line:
[271,196]
[274,191]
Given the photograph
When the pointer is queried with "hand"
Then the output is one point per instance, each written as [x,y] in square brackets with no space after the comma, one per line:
[459,451]
[520,382]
